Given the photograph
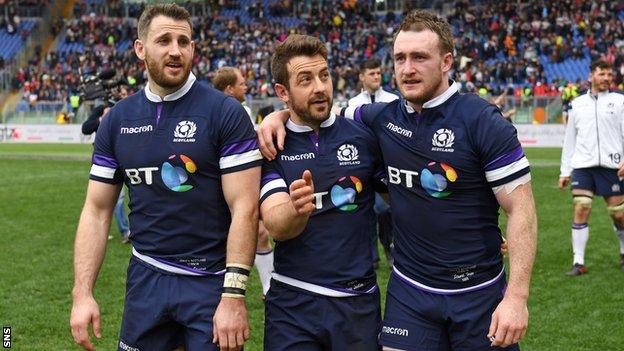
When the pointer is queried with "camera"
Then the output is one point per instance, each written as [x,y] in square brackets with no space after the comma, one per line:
[94,87]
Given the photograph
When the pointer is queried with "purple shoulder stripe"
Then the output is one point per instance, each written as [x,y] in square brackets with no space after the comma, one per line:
[269,176]
[239,147]
[104,161]
[357,115]
[505,159]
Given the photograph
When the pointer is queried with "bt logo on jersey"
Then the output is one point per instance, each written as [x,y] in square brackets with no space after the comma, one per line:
[434,178]
[342,194]
[173,175]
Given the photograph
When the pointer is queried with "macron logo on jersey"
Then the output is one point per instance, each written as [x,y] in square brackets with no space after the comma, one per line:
[299,157]
[395,331]
[401,131]
[136,130]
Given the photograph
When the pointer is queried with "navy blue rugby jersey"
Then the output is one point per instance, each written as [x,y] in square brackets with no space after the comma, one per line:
[332,256]
[171,154]
[442,165]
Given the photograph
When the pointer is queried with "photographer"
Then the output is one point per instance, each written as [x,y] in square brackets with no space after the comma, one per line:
[92,123]
[89,127]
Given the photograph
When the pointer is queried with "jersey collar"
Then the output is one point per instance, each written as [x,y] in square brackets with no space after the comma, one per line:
[292,126]
[438,100]
[173,96]
[596,95]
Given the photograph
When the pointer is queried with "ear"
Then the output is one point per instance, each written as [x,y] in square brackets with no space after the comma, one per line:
[447,62]
[139,49]
[229,90]
[282,93]
[361,76]
[192,49]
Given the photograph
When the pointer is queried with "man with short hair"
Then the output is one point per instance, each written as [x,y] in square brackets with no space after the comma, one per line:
[317,203]
[190,160]
[592,151]
[452,162]
[230,81]
[370,77]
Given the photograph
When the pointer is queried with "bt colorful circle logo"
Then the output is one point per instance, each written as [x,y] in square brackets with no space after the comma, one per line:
[175,177]
[434,179]
[343,193]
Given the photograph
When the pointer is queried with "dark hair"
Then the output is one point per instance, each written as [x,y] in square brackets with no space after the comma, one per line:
[174,11]
[225,76]
[370,64]
[419,20]
[294,45]
[602,64]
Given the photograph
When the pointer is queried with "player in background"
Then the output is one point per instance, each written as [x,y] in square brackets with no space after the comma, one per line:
[231,81]
[370,78]
[592,152]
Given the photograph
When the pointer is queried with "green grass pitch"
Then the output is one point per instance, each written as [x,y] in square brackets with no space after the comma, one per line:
[41,195]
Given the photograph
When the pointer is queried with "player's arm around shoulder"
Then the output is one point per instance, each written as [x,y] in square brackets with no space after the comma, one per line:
[89,250]
[286,214]
[510,319]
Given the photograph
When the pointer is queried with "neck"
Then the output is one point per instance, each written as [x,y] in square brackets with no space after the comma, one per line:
[444,85]
[597,91]
[162,91]
[370,91]
[315,125]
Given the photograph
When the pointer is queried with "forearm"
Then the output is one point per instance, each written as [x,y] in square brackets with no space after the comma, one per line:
[522,242]
[283,221]
[89,249]
[242,237]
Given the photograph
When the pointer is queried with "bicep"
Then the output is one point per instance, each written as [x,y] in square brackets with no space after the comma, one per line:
[242,185]
[520,196]
[102,196]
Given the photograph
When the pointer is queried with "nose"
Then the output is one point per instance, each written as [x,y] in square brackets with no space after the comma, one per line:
[319,86]
[409,67]
[174,49]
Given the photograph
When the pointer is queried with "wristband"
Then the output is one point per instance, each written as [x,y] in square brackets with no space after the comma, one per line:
[235,282]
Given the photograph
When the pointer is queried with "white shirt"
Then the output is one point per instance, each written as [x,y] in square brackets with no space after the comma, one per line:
[595,132]
[365,98]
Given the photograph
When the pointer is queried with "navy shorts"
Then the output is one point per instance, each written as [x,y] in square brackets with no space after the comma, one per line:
[299,321]
[417,320]
[600,181]
[164,310]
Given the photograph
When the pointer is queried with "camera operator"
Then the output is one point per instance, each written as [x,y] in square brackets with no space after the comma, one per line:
[89,127]
[92,123]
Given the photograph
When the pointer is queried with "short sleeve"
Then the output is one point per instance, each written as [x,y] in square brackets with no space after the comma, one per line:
[502,157]
[238,143]
[105,167]
[272,180]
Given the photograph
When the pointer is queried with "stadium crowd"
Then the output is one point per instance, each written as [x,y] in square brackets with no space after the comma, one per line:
[500,50]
